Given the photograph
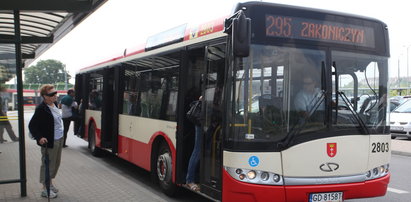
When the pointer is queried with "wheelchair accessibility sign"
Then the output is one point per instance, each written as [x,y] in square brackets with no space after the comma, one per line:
[253,161]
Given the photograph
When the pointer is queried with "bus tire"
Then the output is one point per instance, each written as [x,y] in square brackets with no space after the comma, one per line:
[95,151]
[164,170]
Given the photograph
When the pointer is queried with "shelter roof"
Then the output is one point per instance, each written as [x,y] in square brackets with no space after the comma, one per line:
[42,23]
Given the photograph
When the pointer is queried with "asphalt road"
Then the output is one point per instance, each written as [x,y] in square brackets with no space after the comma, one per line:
[399,189]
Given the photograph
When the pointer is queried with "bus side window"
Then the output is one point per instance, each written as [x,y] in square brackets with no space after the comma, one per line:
[95,100]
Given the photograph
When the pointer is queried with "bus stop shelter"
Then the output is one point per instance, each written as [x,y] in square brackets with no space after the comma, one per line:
[27,29]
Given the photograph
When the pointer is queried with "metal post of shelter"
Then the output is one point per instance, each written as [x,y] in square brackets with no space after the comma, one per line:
[23,177]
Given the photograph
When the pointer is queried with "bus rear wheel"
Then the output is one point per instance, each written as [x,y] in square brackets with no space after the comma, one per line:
[95,151]
[164,170]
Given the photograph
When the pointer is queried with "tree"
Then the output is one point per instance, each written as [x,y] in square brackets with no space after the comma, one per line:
[46,72]
[5,74]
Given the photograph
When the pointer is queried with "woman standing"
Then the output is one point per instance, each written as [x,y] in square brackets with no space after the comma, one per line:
[46,126]
[195,118]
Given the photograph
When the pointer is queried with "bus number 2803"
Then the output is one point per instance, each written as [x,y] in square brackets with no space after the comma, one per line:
[380,147]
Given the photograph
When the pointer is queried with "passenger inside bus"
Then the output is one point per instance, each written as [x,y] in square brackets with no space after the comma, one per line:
[195,118]
[133,105]
[95,100]
[308,98]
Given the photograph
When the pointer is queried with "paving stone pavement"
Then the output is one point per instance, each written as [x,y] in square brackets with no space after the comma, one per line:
[81,177]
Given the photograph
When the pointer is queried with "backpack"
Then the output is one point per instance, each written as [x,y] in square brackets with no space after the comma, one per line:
[194,114]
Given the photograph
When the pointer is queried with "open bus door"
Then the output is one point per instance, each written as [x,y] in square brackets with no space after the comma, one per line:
[206,67]
[211,152]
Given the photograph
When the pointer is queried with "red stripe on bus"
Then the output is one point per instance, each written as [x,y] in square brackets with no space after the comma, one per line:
[139,153]
[134,151]
[205,29]
[107,61]
[135,50]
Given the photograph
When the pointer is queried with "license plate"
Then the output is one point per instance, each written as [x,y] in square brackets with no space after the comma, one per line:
[397,128]
[326,197]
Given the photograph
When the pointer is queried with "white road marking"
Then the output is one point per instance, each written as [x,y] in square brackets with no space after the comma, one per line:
[398,191]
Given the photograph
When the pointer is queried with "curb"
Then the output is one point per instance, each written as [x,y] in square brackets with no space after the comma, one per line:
[402,153]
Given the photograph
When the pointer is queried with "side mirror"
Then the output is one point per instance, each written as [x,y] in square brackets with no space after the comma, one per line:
[241,35]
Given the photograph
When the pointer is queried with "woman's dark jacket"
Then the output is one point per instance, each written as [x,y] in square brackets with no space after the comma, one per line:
[42,124]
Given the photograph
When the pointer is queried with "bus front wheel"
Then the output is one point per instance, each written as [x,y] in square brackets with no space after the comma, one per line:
[164,168]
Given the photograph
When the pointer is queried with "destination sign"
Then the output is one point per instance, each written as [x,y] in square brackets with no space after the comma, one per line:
[318,30]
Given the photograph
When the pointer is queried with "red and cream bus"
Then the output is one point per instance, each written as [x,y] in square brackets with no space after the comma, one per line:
[31,98]
[258,144]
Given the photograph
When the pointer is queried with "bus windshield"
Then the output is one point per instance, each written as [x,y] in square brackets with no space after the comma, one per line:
[282,96]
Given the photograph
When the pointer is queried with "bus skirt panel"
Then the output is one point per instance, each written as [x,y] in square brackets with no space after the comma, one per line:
[134,151]
[371,188]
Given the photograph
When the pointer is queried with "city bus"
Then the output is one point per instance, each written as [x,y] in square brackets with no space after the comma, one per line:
[250,68]
[31,98]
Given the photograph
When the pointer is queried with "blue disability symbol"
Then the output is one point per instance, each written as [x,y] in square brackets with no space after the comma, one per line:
[253,161]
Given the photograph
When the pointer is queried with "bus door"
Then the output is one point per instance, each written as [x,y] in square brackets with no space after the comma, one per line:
[107,108]
[211,158]
[189,91]
[81,89]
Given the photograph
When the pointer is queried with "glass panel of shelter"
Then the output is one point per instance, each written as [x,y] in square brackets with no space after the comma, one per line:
[9,147]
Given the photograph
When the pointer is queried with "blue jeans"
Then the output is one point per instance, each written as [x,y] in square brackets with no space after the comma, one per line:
[195,156]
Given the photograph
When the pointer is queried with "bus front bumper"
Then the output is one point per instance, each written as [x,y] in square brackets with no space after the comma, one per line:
[234,190]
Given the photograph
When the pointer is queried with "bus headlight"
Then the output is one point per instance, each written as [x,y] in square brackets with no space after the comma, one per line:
[265,176]
[368,175]
[255,176]
[251,174]
[276,178]
[377,172]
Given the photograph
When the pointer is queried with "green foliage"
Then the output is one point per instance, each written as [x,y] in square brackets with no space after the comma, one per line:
[46,72]
[5,74]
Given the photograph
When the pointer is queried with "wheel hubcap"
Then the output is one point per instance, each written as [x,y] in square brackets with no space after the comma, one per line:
[163,166]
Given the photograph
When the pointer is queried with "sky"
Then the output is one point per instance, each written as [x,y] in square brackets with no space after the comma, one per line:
[121,24]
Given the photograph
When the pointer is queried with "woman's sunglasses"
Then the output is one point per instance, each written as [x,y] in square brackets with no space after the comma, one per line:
[51,94]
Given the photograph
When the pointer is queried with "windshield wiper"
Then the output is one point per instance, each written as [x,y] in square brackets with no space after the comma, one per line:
[301,122]
[355,114]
